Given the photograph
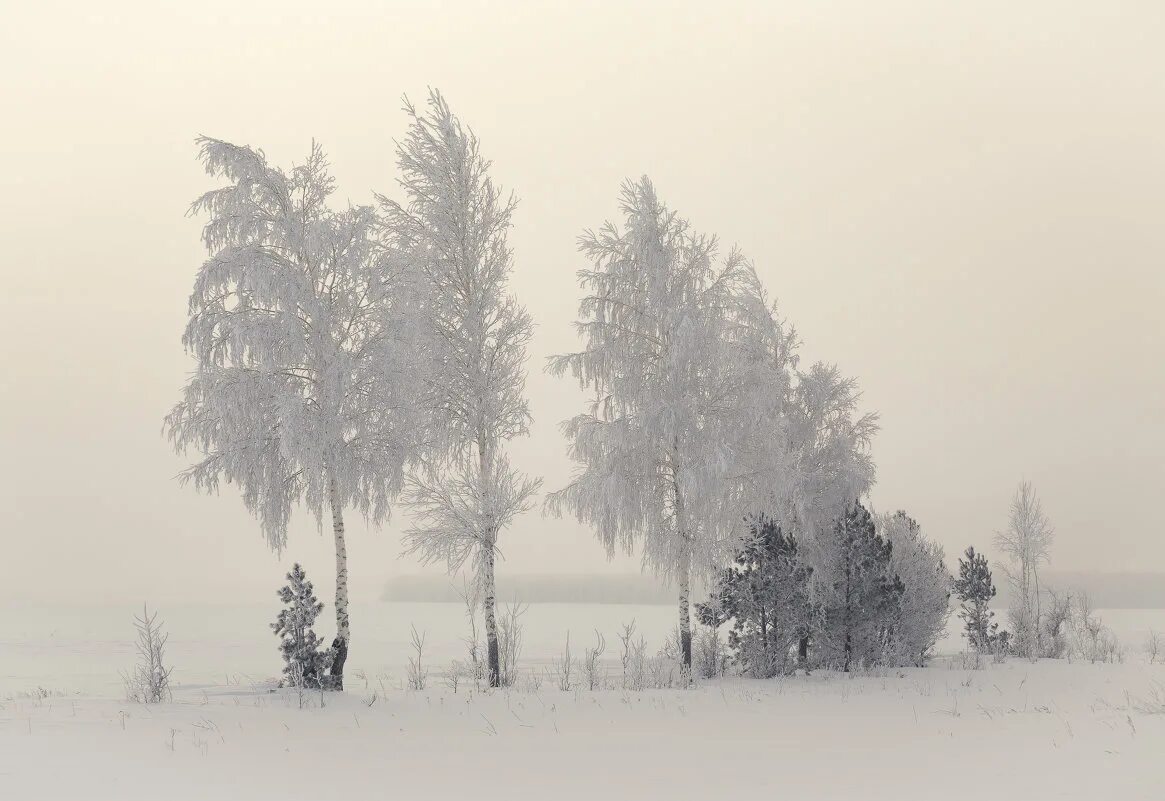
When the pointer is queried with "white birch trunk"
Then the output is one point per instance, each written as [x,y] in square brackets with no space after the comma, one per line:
[343,634]
[488,581]
[684,568]
[684,580]
[489,604]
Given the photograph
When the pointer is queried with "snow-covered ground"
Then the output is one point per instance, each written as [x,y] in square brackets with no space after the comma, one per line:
[1012,730]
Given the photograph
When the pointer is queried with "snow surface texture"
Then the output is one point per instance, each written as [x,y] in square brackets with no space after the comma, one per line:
[1049,730]
[1032,730]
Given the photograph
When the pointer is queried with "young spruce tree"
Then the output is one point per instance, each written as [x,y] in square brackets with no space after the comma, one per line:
[975,590]
[304,663]
[862,594]
[765,593]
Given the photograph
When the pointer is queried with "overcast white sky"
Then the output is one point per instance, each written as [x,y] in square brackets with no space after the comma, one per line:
[960,206]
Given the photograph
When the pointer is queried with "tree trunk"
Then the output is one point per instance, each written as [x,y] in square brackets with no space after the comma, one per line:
[488,542]
[684,579]
[684,568]
[343,634]
[489,603]
[1036,621]
[767,669]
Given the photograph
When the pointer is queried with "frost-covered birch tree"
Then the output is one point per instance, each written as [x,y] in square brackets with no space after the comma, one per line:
[452,230]
[1026,543]
[655,445]
[305,348]
[802,448]
[924,607]
[801,445]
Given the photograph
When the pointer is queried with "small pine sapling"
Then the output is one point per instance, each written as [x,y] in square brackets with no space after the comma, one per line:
[975,590]
[862,596]
[304,662]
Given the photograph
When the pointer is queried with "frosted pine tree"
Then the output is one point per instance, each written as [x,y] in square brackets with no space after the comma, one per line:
[655,447]
[765,595]
[861,596]
[452,231]
[304,663]
[304,345]
[975,590]
[801,446]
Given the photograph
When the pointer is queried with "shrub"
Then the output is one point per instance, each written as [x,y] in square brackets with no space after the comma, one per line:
[149,681]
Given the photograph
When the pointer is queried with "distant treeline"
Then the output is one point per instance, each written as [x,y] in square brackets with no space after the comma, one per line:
[1105,590]
[626,588]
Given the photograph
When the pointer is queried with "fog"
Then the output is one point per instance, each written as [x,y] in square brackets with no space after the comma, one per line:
[959,206]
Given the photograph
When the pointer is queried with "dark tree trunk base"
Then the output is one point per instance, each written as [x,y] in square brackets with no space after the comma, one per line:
[494,662]
[335,678]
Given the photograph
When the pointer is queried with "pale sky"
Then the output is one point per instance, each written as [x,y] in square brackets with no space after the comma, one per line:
[962,207]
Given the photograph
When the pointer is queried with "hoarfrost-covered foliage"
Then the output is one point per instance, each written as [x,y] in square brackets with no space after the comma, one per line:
[861,596]
[765,596]
[304,663]
[924,607]
[1026,543]
[654,447]
[451,231]
[149,681]
[700,419]
[304,342]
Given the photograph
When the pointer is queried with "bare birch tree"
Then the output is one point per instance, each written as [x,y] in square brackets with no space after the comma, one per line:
[452,231]
[1026,543]
[304,347]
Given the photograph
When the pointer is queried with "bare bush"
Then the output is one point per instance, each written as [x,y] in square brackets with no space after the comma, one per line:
[593,674]
[149,681]
[1054,625]
[633,657]
[418,675]
[1090,638]
[561,670]
[1153,645]
[510,632]
[474,668]
[710,658]
[453,675]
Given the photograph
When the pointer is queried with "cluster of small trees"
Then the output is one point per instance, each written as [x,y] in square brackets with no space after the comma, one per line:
[877,593]
[1044,623]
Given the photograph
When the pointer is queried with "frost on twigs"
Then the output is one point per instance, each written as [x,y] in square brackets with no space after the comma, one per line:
[510,636]
[303,332]
[418,674]
[451,233]
[149,681]
[1026,542]
[699,419]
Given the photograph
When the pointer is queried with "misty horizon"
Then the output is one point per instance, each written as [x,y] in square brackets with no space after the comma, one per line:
[964,222]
